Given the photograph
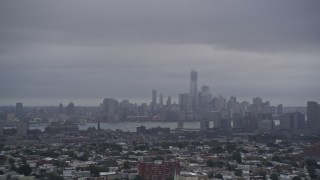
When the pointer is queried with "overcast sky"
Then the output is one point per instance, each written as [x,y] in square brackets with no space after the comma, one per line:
[83,51]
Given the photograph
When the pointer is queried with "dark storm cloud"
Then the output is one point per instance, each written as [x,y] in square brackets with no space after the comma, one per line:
[234,24]
[95,49]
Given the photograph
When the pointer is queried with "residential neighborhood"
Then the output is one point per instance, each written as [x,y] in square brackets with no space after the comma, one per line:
[160,155]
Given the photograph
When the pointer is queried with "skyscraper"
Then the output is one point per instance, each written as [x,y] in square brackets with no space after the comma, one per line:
[279,109]
[61,108]
[249,122]
[154,101]
[19,109]
[204,97]
[292,121]
[111,109]
[71,109]
[161,100]
[185,102]
[232,105]
[168,101]
[205,89]
[257,101]
[194,90]
[313,115]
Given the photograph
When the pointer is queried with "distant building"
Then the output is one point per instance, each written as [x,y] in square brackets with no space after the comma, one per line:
[222,123]
[19,109]
[142,109]
[194,90]
[59,128]
[161,100]
[219,103]
[159,170]
[159,130]
[263,116]
[21,127]
[204,125]
[232,105]
[111,109]
[10,117]
[279,109]
[265,125]
[154,101]
[71,109]
[171,115]
[292,121]
[141,129]
[168,101]
[205,97]
[257,105]
[313,115]
[237,120]
[205,89]
[124,108]
[257,101]
[249,122]
[60,108]
[185,101]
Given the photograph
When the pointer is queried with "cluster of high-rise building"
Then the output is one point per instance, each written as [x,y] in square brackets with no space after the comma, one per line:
[113,110]
[196,105]
[201,105]
[16,120]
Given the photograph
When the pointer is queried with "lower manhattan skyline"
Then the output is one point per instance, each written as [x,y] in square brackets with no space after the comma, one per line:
[147,98]
[84,52]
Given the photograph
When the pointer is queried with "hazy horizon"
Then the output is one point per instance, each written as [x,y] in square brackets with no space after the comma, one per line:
[97,101]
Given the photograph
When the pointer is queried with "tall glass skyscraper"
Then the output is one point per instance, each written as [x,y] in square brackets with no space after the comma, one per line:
[194,90]
[154,101]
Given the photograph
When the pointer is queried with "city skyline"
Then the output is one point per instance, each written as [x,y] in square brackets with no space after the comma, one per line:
[193,93]
[80,51]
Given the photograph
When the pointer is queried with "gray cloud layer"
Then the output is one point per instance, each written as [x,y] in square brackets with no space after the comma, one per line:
[95,49]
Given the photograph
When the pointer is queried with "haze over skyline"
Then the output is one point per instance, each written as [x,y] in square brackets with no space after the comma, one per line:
[84,51]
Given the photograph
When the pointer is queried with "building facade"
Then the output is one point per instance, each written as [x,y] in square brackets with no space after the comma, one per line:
[159,170]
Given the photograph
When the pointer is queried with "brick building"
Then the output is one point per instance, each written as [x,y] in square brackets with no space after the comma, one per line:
[159,170]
